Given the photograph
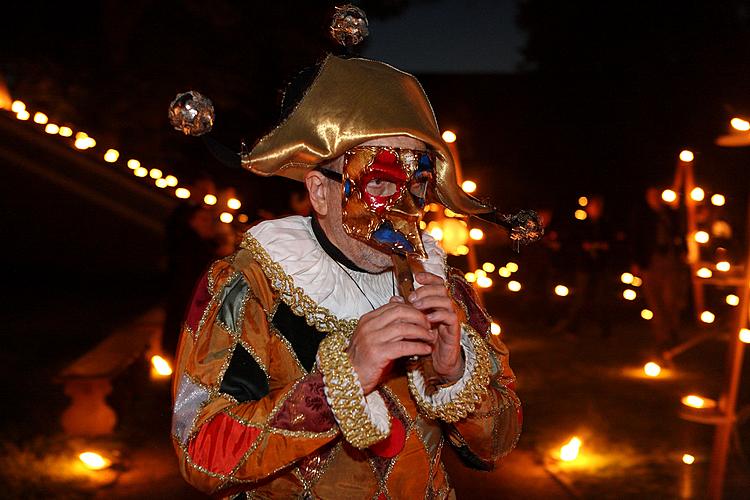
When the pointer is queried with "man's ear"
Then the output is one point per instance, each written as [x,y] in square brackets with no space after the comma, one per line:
[316,184]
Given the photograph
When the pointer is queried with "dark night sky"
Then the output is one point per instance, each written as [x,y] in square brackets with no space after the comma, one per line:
[551,99]
[444,36]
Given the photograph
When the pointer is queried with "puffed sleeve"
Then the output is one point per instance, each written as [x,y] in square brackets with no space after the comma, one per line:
[243,407]
[492,430]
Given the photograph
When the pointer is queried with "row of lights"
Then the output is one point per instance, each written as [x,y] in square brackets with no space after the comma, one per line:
[83,141]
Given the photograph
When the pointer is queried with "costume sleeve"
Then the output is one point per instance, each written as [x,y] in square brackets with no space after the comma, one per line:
[244,408]
[481,412]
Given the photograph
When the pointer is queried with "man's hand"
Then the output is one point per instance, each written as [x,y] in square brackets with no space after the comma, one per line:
[392,331]
[432,299]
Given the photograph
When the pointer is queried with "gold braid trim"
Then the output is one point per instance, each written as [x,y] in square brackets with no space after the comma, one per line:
[468,398]
[344,393]
[296,298]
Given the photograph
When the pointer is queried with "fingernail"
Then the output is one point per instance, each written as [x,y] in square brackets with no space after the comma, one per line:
[412,297]
[431,316]
[417,303]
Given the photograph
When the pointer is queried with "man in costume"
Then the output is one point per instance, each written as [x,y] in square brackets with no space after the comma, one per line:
[294,376]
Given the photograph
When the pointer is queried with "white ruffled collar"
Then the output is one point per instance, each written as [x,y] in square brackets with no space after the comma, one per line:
[291,243]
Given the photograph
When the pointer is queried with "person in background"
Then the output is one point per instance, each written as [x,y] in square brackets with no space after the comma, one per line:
[586,247]
[658,254]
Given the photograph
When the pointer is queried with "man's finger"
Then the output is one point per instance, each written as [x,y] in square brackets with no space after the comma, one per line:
[443,316]
[404,348]
[429,279]
[427,290]
[400,312]
[434,302]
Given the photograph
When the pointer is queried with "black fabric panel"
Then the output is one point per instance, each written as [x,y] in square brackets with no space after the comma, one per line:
[244,380]
[304,338]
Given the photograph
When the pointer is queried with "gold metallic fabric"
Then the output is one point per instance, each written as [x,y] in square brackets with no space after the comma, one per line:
[352,101]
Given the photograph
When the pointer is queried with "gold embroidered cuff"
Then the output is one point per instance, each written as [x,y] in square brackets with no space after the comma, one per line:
[345,395]
[469,396]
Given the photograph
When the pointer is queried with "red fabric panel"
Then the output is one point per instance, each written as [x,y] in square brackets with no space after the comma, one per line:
[221,443]
[306,409]
[201,298]
[394,443]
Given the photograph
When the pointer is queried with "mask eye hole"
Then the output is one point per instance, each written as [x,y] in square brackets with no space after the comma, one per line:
[418,188]
[380,187]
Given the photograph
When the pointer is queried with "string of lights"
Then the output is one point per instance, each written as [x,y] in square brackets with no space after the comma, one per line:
[81,141]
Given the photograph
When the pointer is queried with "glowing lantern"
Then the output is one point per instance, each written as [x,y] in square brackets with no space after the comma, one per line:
[694,401]
[733,300]
[52,128]
[686,155]
[495,328]
[504,272]
[111,156]
[718,200]
[723,266]
[569,451]
[161,182]
[580,214]
[626,278]
[669,196]
[583,201]
[697,194]
[512,267]
[234,203]
[94,461]
[161,366]
[629,294]
[133,164]
[18,106]
[514,286]
[40,118]
[480,272]
[476,234]
[23,115]
[171,180]
[140,172]
[704,273]
[701,237]
[155,173]
[652,369]
[84,142]
[453,234]
[562,290]
[470,277]
[745,335]
[469,186]
[226,217]
[708,317]
[209,199]
[65,131]
[449,136]
[484,282]
[647,314]
[740,124]
[489,267]
[182,193]
[688,459]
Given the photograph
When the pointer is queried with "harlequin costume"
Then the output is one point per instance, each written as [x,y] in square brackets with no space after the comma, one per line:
[266,403]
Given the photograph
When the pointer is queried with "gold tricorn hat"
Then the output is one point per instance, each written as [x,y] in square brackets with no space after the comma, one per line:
[352,101]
